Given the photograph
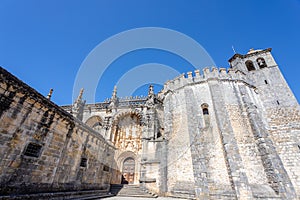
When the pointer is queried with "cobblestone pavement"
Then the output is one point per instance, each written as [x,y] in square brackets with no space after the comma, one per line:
[138,198]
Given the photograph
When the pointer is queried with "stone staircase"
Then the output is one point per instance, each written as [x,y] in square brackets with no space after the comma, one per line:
[130,191]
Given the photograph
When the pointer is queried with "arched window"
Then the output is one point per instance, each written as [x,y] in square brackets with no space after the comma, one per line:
[205,113]
[261,63]
[250,66]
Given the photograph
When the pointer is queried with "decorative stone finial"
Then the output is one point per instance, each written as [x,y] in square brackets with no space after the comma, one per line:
[114,94]
[150,91]
[151,97]
[79,98]
[113,101]
[50,94]
[78,106]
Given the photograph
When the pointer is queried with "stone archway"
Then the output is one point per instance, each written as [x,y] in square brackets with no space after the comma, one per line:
[128,168]
[95,122]
[126,136]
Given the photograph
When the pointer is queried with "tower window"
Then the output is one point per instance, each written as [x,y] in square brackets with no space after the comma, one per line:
[205,111]
[250,66]
[205,115]
[266,82]
[33,150]
[278,102]
[261,63]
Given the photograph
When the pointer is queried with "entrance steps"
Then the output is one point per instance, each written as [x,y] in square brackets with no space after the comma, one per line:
[130,191]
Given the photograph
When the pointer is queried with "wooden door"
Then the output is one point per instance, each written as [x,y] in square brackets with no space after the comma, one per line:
[128,171]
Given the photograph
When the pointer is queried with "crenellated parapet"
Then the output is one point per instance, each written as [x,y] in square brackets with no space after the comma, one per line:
[213,73]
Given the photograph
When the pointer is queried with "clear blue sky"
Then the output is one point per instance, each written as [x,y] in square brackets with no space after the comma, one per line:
[44,42]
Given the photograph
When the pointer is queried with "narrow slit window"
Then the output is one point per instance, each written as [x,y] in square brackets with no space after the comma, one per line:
[205,113]
[266,82]
[83,162]
[278,102]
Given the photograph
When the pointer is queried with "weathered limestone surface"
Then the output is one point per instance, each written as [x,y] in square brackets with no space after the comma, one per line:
[180,181]
[62,141]
[285,134]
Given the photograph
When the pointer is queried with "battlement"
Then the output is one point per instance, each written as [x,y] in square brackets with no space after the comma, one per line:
[208,73]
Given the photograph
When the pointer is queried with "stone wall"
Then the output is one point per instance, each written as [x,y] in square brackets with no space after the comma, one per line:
[43,148]
[284,131]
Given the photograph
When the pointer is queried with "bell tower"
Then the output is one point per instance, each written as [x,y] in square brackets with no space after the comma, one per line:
[263,72]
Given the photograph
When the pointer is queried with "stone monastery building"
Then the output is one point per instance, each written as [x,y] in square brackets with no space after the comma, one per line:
[218,134]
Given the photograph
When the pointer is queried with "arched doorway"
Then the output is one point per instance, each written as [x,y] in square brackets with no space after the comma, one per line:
[128,171]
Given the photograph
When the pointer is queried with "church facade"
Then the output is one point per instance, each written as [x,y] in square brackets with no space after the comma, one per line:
[218,134]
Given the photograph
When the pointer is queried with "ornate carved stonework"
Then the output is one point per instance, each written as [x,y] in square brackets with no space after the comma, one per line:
[127,133]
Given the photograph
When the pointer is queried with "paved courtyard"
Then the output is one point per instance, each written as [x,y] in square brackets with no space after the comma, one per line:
[138,198]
